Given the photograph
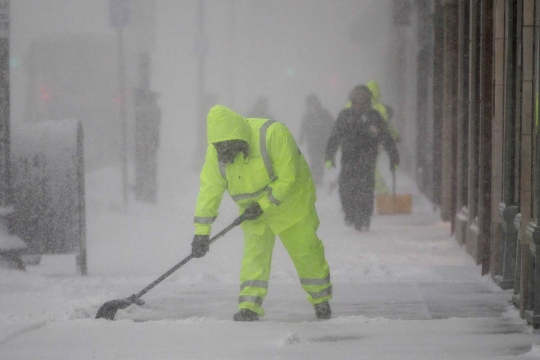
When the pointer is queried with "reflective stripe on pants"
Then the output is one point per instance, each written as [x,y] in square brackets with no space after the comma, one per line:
[307,253]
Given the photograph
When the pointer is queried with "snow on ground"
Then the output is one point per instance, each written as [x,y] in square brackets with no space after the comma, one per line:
[404,290]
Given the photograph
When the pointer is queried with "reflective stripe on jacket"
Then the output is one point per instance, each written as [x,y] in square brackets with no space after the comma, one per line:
[275,174]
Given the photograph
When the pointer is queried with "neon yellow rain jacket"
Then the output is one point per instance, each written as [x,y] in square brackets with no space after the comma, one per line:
[373,86]
[275,174]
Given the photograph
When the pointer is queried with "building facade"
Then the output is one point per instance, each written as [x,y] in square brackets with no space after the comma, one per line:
[483,58]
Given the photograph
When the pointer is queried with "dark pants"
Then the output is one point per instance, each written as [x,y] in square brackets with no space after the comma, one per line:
[356,186]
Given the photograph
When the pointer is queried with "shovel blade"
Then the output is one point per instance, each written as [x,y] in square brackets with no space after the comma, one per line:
[108,310]
[397,204]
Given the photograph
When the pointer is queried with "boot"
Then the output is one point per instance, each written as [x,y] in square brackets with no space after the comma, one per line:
[367,223]
[323,311]
[246,315]
[363,224]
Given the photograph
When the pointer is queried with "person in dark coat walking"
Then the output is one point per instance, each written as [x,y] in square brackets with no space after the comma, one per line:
[316,128]
[359,130]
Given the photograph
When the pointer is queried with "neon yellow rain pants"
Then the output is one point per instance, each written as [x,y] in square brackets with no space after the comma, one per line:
[307,253]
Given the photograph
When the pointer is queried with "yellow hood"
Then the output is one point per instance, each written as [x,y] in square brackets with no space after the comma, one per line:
[224,124]
[373,86]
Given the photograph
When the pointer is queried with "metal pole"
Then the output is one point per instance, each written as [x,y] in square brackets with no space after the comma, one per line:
[123,120]
[5,164]
[232,52]
[82,257]
[201,45]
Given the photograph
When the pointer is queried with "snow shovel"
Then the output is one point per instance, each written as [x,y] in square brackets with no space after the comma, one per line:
[394,204]
[109,309]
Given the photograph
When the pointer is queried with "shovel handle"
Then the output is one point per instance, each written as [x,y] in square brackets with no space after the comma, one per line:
[394,182]
[234,224]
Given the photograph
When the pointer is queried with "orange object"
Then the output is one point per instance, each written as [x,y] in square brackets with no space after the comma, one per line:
[394,204]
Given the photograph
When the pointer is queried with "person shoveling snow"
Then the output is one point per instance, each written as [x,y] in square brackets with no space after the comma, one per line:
[259,163]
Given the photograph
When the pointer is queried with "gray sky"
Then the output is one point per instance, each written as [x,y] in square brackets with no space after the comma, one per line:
[282,49]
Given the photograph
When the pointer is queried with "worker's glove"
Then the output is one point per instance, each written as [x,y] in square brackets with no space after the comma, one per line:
[253,212]
[329,164]
[200,245]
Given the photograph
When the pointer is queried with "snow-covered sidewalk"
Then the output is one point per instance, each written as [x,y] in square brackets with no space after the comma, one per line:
[405,290]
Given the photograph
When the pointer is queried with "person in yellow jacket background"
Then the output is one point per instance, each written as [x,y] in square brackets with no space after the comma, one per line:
[259,163]
[383,109]
[380,185]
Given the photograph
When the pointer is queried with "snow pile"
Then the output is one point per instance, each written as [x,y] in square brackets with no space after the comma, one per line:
[291,339]
[535,351]
[10,242]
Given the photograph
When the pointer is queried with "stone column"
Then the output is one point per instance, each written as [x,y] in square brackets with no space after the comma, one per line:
[463,116]
[485,117]
[509,208]
[449,126]
[473,120]
[527,104]
[438,96]
[497,134]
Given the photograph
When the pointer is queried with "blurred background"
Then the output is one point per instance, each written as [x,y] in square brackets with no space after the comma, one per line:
[108,102]
[186,56]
